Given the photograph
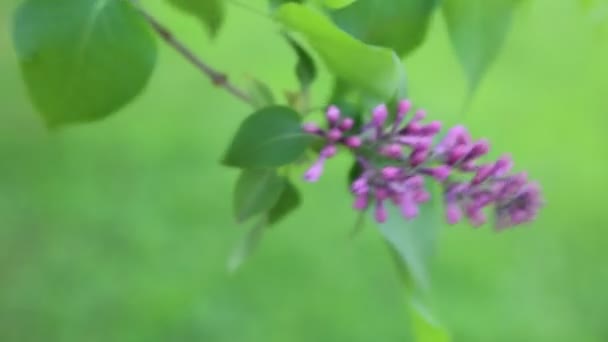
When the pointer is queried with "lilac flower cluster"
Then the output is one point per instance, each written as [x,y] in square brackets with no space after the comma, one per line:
[397,157]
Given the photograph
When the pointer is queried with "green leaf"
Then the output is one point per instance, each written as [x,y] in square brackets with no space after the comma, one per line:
[477,29]
[270,137]
[306,71]
[256,192]
[287,203]
[274,4]
[247,245]
[413,243]
[337,3]
[370,68]
[397,24]
[82,59]
[210,12]
[425,326]
[260,94]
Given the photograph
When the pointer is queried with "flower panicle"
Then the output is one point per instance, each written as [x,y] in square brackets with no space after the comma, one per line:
[399,158]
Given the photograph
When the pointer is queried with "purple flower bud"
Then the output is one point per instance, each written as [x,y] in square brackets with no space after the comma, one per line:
[382,194]
[457,153]
[421,196]
[314,173]
[412,128]
[440,173]
[392,151]
[409,209]
[415,182]
[390,173]
[482,174]
[379,115]
[420,115]
[453,213]
[347,124]
[329,151]
[353,142]
[431,129]
[479,149]
[503,165]
[403,107]
[418,157]
[381,215]
[311,128]
[334,135]
[333,114]
[468,166]
[361,202]
[360,186]
[476,216]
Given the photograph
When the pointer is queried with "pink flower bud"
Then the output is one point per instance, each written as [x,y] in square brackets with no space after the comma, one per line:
[409,209]
[333,114]
[353,142]
[440,173]
[431,129]
[361,202]
[392,151]
[483,173]
[347,124]
[457,153]
[360,186]
[421,196]
[503,165]
[420,115]
[418,157]
[479,149]
[403,107]
[311,128]
[379,115]
[334,135]
[390,173]
[453,213]
[329,151]
[381,215]
[314,173]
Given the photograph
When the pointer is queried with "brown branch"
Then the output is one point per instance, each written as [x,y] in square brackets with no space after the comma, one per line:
[219,79]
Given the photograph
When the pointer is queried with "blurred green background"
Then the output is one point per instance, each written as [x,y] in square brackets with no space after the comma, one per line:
[120,230]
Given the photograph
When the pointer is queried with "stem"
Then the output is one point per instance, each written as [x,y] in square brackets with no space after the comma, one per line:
[218,78]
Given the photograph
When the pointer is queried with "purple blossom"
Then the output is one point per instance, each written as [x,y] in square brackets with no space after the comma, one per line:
[398,158]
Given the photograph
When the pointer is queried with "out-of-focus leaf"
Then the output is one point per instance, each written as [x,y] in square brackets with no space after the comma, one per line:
[372,69]
[270,137]
[478,29]
[210,12]
[413,242]
[397,24]
[274,4]
[247,245]
[335,4]
[306,71]
[256,192]
[425,327]
[260,94]
[82,59]
[287,203]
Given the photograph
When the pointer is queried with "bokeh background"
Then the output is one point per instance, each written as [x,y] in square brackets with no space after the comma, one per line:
[120,230]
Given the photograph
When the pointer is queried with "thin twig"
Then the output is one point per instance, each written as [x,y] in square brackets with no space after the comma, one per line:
[219,79]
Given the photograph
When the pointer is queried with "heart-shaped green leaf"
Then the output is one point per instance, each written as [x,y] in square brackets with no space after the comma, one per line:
[270,137]
[82,59]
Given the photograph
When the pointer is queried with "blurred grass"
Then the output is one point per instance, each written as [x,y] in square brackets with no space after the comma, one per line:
[120,230]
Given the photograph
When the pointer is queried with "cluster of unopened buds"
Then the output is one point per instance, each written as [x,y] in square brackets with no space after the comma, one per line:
[397,158]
